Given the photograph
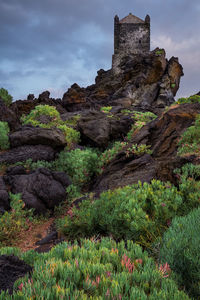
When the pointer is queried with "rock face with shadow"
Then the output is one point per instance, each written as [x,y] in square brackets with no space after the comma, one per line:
[162,136]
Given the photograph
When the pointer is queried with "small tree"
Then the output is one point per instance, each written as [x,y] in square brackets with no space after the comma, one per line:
[5,96]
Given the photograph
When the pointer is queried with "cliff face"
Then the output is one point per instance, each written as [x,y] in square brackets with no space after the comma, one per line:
[146,82]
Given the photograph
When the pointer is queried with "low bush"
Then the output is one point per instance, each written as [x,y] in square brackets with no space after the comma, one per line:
[189,187]
[5,96]
[181,249]
[46,116]
[189,142]
[95,270]
[191,99]
[139,212]
[80,165]
[106,109]
[4,139]
[11,222]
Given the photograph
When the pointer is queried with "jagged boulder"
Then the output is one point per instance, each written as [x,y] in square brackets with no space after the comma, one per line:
[29,135]
[37,152]
[7,115]
[98,129]
[147,81]
[41,189]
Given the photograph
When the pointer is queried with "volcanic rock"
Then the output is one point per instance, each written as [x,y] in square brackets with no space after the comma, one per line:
[29,135]
[41,189]
[37,152]
[11,269]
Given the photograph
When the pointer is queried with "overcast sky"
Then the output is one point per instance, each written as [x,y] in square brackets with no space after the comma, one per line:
[50,44]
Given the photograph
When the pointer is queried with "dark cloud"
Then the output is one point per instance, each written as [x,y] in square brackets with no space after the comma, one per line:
[50,44]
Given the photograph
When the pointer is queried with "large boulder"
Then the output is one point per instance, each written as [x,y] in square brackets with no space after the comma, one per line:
[29,135]
[98,129]
[41,189]
[37,152]
[11,269]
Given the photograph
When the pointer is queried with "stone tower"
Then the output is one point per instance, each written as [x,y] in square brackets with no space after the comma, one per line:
[131,36]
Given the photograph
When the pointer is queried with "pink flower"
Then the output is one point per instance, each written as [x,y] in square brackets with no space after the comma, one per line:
[139,261]
[107,293]
[108,273]
[163,204]
[164,270]
[20,286]
[76,263]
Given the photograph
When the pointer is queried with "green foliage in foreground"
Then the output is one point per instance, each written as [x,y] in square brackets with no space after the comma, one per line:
[5,96]
[189,187]
[4,139]
[191,99]
[181,249]
[94,270]
[190,140]
[139,212]
[11,222]
[46,116]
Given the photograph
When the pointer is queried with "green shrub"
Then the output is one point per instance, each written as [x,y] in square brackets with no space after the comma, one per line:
[141,119]
[80,165]
[189,142]
[52,120]
[191,99]
[106,109]
[5,96]
[189,186]
[181,249]
[94,270]
[139,212]
[11,222]
[4,139]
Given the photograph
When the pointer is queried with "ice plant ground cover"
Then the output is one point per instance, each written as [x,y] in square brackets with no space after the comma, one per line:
[94,270]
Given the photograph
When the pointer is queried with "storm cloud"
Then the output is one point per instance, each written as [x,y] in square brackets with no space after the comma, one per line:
[49,45]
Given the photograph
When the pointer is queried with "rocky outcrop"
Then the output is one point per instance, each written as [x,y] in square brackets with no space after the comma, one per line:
[162,135]
[11,269]
[29,135]
[37,152]
[146,81]
[21,107]
[41,189]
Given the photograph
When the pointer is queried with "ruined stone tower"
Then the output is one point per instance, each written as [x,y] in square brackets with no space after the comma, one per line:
[131,36]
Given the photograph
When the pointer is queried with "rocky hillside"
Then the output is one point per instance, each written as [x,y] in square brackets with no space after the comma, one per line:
[117,159]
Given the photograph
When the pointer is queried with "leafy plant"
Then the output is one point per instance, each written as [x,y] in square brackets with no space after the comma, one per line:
[191,99]
[95,270]
[139,212]
[11,222]
[5,96]
[4,139]
[46,116]
[106,109]
[173,85]
[181,249]
[189,186]
[189,142]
